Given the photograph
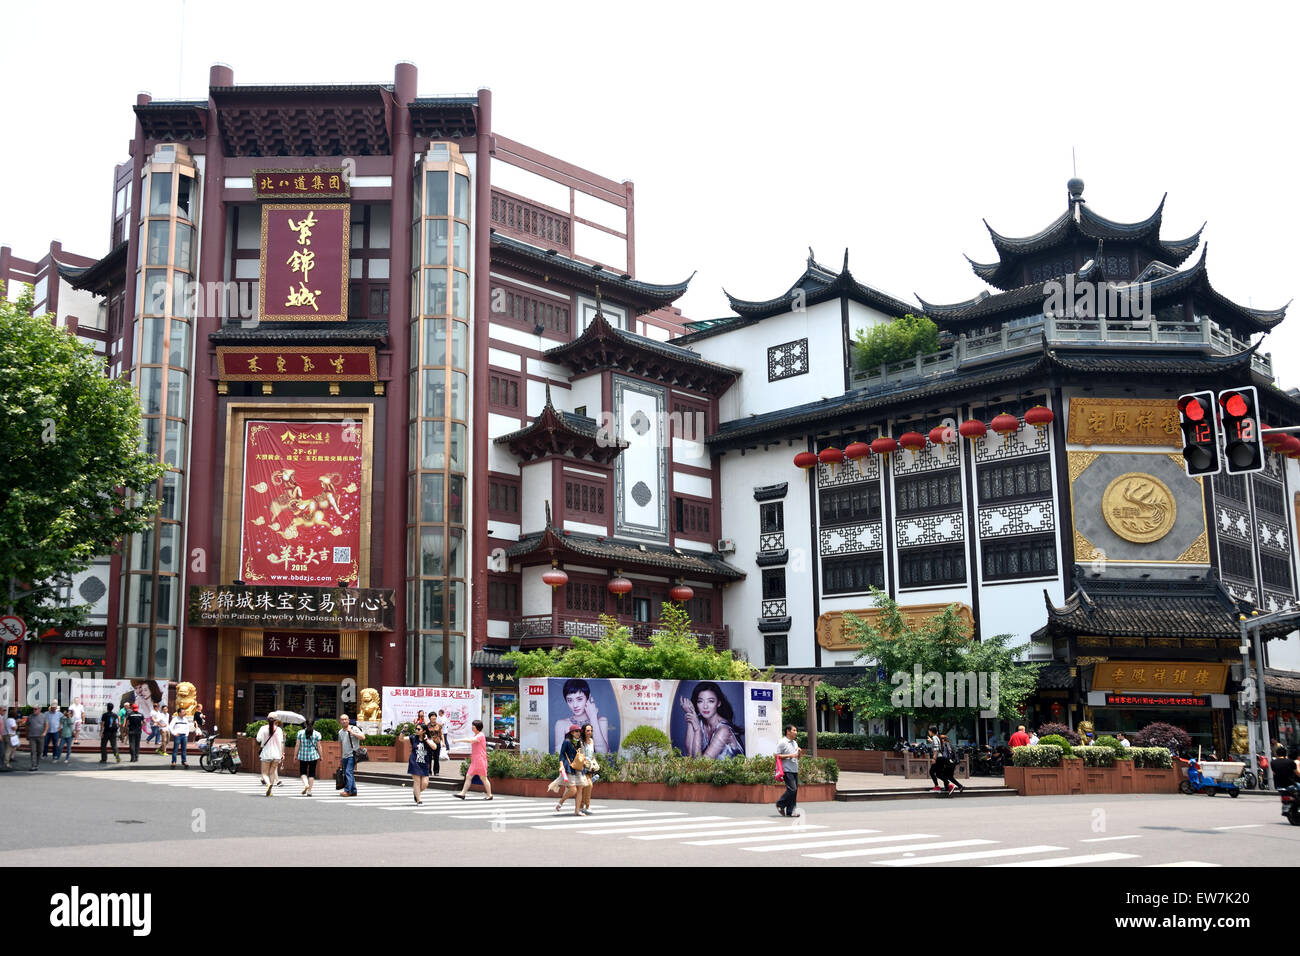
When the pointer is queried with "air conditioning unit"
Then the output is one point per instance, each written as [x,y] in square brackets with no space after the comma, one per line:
[726,546]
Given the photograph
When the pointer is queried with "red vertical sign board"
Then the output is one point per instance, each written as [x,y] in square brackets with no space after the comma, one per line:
[304,271]
[301,503]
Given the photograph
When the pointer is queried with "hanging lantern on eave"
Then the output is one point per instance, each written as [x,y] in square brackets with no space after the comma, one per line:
[884,445]
[619,586]
[913,442]
[1273,441]
[1291,447]
[1005,425]
[973,429]
[805,460]
[556,578]
[682,593]
[857,451]
[1040,416]
[831,456]
[943,436]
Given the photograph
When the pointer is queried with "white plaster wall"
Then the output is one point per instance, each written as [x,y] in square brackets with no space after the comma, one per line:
[503,530]
[585,391]
[503,359]
[500,629]
[522,337]
[582,527]
[534,593]
[693,453]
[692,484]
[499,458]
[534,493]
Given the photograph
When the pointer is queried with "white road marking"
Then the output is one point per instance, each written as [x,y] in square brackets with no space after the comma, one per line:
[1240,826]
[684,827]
[589,824]
[1131,836]
[876,851]
[1184,863]
[1072,860]
[850,842]
[773,827]
[976,855]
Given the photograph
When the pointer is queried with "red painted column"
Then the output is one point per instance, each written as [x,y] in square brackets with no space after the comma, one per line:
[482,317]
[201,516]
[393,571]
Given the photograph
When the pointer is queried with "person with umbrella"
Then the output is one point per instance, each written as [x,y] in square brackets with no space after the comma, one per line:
[271,740]
[308,755]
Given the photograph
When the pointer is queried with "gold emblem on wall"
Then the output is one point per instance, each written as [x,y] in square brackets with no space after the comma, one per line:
[1139,507]
[831,632]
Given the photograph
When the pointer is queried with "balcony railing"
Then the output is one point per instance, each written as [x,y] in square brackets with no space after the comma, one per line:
[533,223]
[1013,339]
[561,625]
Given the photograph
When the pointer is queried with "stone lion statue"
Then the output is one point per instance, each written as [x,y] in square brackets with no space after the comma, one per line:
[187,696]
[369,705]
[1240,739]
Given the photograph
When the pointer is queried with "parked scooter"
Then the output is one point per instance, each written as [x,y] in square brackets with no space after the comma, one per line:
[214,756]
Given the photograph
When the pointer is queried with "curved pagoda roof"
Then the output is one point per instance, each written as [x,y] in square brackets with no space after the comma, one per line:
[553,544]
[556,432]
[1080,224]
[1162,285]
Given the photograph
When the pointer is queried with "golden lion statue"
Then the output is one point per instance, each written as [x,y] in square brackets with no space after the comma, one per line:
[1240,739]
[1084,729]
[369,705]
[187,696]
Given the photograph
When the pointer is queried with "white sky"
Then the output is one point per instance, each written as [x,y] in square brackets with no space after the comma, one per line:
[751,131]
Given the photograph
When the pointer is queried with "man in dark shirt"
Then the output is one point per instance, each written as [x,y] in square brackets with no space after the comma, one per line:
[1283,768]
[108,734]
[134,727]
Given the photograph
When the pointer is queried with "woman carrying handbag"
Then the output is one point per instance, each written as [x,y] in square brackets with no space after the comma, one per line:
[587,748]
[271,739]
[308,755]
[572,762]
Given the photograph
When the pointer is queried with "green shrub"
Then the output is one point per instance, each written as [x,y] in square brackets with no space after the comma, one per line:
[531,765]
[1040,755]
[1095,756]
[1111,742]
[328,728]
[894,341]
[379,740]
[1056,740]
[646,742]
[1151,757]
[252,729]
[1062,730]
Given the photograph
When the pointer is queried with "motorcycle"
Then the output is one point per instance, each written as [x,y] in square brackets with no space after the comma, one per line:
[1291,804]
[214,756]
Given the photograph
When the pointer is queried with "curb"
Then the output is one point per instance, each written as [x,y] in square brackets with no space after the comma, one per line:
[845,796]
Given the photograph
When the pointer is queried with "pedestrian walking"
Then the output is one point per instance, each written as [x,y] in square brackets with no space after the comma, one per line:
[418,763]
[932,742]
[108,734]
[350,738]
[436,741]
[948,764]
[53,724]
[67,729]
[587,746]
[134,729]
[570,763]
[477,761]
[163,731]
[308,755]
[78,717]
[271,741]
[788,751]
[10,730]
[36,735]
[179,728]
[1033,739]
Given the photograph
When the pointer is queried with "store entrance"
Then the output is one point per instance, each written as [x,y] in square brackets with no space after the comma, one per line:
[314,690]
[313,701]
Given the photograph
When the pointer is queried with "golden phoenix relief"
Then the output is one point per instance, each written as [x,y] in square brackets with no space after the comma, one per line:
[1139,507]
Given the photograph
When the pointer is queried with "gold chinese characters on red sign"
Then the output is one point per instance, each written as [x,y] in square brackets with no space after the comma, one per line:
[1124,421]
[311,363]
[1180,677]
[304,268]
[301,183]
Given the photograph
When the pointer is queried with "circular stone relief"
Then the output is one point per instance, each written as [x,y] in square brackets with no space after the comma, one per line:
[641,493]
[1139,507]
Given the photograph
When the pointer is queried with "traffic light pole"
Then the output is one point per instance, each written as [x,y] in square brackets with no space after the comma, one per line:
[1251,626]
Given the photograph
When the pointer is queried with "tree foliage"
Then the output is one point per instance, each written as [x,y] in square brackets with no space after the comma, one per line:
[941,645]
[646,742]
[895,341]
[674,654]
[75,479]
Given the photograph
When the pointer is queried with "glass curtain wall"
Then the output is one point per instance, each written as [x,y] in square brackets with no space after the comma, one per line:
[163,330]
[439,403]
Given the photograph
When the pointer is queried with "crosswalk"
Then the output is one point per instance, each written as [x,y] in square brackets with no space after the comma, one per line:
[765,838]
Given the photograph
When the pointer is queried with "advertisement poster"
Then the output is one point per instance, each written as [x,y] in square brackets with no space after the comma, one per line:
[717,719]
[463,706]
[504,708]
[301,503]
[95,693]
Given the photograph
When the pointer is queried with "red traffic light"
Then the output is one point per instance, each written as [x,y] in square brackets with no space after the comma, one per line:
[1191,408]
[1234,404]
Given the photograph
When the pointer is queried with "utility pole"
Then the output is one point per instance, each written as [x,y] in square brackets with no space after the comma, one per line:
[1252,626]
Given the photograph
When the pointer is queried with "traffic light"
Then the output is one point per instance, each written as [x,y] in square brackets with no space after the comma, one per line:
[1243,448]
[1200,433]
[11,657]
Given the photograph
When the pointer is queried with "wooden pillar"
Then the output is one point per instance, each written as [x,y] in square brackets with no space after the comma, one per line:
[812,719]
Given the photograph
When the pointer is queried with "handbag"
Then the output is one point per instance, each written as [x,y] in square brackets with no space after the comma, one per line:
[340,779]
[578,761]
[778,771]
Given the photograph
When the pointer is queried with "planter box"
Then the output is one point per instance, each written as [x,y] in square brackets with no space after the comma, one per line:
[1074,778]
[858,761]
[689,792]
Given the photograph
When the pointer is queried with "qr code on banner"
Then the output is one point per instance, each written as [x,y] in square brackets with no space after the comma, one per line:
[342,555]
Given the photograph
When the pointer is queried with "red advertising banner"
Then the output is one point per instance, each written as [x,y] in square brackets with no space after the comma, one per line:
[300,183]
[301,503]
[304,272]
[303,363]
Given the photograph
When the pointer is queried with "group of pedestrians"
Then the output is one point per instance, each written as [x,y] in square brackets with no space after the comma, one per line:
[578,769]
[943,763]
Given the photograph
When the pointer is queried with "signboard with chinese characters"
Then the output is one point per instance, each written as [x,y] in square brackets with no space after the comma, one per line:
[1167,677]
[1157,700]
[303,363]
[831,633]
[78,634]
[290,644]
[301,184]
[304,271]
[1124,421]
[298,609]
[301,514]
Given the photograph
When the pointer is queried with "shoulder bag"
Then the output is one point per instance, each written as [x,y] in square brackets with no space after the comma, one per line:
[361,753]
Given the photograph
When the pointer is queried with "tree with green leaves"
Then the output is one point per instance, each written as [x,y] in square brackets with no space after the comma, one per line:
[674,653]
[926,668]
[75,479]
[895,341]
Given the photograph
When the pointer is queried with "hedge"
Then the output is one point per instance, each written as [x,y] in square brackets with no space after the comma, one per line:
[531,765]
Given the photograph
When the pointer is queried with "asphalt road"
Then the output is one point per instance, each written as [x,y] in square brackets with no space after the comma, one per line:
[99,817]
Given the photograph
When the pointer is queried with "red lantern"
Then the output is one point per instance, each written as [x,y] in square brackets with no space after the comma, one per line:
[1040,416]
[831,456]
[619,586]
[940,435]
[681,593]
[1056,708]
[856,452]
[1275,440]
[884,446]
[555,578]
[1006,425]
[1291,447]
[973,429]
[805,460]
[913,442]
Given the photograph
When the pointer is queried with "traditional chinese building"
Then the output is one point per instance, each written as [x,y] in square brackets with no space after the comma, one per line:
[332,301]
[1030,471]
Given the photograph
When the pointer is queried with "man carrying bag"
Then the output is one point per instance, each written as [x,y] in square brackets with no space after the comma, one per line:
[350,738]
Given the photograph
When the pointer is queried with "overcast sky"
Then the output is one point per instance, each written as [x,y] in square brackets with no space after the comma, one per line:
[752,131]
